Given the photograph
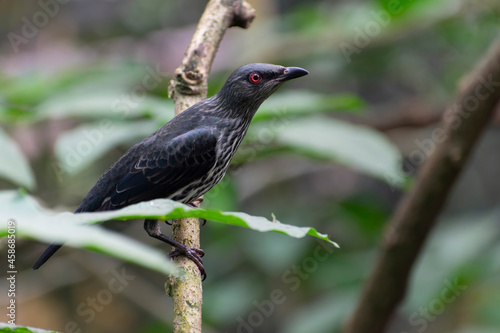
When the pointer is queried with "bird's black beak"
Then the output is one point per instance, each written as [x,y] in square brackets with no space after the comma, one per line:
[292,73]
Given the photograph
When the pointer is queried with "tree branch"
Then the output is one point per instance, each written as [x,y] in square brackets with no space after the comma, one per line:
[188,87]
[190,83]
[409,114]
[416,213]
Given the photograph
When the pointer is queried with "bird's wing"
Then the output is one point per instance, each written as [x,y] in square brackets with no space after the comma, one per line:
[161,170]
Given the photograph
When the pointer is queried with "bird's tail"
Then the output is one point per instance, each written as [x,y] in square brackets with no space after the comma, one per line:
[46,255]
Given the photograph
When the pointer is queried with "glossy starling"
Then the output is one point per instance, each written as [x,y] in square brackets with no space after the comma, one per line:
[188,155]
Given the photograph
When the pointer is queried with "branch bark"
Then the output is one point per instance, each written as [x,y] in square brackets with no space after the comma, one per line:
[409,114]
[415,215]
[188,87]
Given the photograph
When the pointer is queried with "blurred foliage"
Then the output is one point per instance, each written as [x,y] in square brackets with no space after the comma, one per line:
[116,123]
[73,99]
[18,170]
[21,329]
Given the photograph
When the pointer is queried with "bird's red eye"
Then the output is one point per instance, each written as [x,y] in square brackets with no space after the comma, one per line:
[255,77]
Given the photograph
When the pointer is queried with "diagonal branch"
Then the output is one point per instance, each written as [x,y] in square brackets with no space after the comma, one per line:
[188,87]
[415,215]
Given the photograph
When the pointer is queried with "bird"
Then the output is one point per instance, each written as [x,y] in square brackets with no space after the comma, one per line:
[188,155]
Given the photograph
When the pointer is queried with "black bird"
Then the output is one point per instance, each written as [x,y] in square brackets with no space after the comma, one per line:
[188,155]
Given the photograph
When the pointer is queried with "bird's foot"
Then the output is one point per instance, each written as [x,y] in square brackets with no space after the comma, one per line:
[192,253]
[153,229]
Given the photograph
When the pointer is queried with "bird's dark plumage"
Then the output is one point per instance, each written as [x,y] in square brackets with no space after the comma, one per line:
[190,154]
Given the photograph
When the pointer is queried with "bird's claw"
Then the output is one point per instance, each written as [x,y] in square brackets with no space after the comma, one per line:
[188,251]
[194,254]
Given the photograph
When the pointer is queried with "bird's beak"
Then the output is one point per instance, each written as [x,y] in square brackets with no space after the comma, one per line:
[292,73]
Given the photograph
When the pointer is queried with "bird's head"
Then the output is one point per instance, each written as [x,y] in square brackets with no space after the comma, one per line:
[250,85]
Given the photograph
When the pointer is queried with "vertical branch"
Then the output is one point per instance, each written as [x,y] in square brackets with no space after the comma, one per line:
[188,87]
[415,215]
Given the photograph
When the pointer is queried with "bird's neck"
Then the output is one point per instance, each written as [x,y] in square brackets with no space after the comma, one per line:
[236,107]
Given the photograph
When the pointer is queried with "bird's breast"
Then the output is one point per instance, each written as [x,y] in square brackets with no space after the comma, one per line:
[230,137]
[229,141]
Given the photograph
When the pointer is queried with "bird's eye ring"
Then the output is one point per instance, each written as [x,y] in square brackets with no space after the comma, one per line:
[255,78]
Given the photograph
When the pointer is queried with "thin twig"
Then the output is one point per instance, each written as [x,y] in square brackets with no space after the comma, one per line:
[188,87]
[415,215]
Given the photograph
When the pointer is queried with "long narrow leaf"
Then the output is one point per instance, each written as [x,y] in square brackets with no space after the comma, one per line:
[14,166]
[161,209]
[302,103]
[23,217]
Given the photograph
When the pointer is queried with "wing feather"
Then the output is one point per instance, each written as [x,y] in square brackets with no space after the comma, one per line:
[162,171]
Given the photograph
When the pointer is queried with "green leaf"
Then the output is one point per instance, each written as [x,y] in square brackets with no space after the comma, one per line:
[302,103]
[417,9]
[26,219]
[6,328]
[15,166]
[29,88]
[354,146]
[33,87]
[81,147]
[164,209]
[71,228]
[111,103]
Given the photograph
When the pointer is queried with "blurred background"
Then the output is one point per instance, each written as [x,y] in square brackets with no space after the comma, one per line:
[334,150]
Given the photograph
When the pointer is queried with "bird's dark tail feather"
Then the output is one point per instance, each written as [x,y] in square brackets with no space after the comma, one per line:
[46,255]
